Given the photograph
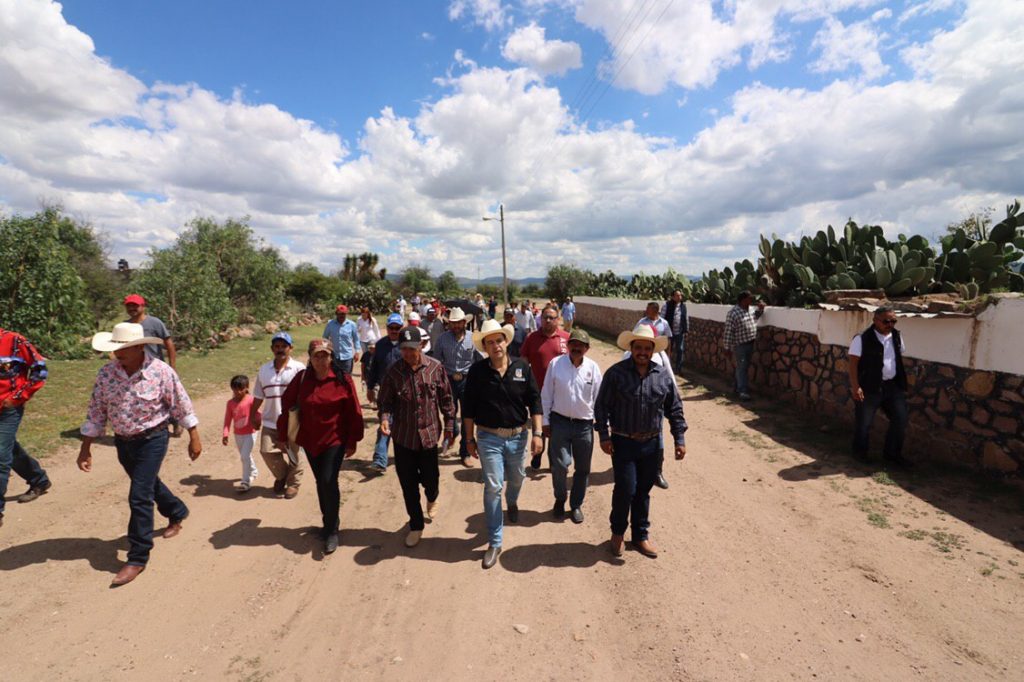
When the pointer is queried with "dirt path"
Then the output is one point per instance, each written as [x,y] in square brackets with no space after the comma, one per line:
[779,561]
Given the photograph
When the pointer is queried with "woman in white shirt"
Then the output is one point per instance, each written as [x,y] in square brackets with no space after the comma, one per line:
[368,329]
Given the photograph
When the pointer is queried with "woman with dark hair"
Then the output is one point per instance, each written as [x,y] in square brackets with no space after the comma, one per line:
[325,408]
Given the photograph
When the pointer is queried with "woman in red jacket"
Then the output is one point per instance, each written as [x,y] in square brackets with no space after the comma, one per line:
[330,425]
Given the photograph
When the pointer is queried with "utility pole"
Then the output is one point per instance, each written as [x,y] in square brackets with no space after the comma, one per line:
[504,266]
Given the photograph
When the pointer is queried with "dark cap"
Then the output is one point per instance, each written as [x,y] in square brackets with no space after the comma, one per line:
[580,335]
[410,337]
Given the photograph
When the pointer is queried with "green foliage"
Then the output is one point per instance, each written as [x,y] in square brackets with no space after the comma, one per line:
[183,288]
[42,295]
[308,286]
[566,280]
[103,287]
[448,284]
[361,268]
[255,274]
[416,279]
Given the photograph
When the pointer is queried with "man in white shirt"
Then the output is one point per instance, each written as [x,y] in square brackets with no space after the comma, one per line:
[568,395]
[525,319]
[878,380]
[271,381]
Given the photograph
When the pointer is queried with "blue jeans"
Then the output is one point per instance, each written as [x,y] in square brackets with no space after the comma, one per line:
[636,465]
[743,352]
[13,456]
[458,390]
[893,401]
[678,346]
[572,441]
[502,462]
[342,366]
[141,460]
[380,449]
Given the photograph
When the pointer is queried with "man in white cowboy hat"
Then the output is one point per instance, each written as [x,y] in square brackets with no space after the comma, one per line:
[662,360]
[503,403]
[635,394]
[455,351]
[138,396]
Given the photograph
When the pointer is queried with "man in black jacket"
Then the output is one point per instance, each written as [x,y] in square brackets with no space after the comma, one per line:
[674,312]
[878,380]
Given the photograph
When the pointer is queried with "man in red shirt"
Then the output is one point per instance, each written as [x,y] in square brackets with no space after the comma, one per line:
[540,348]
[22,373]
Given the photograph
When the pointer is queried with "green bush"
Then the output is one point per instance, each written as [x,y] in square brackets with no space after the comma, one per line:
[42,296]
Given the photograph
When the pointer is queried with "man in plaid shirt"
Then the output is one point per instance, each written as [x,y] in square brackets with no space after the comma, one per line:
[414,397]
[740,332]
[22,373]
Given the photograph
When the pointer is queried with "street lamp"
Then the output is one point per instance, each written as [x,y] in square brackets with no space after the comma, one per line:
[504,269]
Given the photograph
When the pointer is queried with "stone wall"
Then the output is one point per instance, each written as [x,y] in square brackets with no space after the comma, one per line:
[959,415]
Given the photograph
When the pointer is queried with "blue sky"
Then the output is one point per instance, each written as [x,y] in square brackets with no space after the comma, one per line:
[393,126]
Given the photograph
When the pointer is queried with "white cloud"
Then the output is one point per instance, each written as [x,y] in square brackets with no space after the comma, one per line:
[528,46]
[487,13]
[922,9]
[881,15]
[844,47]
[911,154]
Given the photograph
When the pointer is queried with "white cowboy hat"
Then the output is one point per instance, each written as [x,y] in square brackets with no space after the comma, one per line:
[489,328]
[643,332]
[125,335]
[457,315]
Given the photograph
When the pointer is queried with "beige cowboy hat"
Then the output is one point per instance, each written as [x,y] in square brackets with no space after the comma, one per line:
[643,332]
[125,335]
[489,328]
[457,315]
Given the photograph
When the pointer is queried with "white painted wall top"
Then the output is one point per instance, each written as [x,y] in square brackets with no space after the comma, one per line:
[993,341]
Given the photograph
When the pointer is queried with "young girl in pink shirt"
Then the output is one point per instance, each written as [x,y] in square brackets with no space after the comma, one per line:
[237,413]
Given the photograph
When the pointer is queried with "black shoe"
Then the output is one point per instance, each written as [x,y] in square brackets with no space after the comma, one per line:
[513,513]
[535,463]
[661,482]
[558,511]
[34,492]
[331,543]
[491,556]
[577,515]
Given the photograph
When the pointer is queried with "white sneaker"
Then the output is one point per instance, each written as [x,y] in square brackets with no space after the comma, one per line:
[432,508]
[413,538]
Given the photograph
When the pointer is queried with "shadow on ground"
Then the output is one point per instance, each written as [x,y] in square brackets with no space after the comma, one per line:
[992,505]
[249,533]
[205,486]
[526,558]
[101,554]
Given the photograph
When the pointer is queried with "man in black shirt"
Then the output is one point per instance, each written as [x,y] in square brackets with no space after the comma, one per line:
[501,401]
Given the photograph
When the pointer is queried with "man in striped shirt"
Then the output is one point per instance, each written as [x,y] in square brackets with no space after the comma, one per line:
[414,398]
[271,381]
[740,333]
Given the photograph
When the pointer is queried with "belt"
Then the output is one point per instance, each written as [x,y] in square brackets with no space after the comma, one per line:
[503,433]
[570,419]
[646,435]
[142,435]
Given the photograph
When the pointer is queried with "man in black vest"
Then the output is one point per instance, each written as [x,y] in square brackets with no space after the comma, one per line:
[878,380]
[674,311]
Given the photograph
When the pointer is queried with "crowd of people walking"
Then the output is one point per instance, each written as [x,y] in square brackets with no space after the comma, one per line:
[439,378]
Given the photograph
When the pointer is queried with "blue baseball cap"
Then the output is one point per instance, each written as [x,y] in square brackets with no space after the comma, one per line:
[394,318]
[282,336]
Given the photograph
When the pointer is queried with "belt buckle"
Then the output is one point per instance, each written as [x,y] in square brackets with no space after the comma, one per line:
[457,376]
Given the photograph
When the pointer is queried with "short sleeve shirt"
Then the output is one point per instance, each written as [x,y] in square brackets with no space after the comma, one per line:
[154,326]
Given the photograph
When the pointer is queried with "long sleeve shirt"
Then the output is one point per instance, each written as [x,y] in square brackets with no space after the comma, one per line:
[385,354]
[500,402]
[344,337]
[132,404]
[661,326]
[22,368]
[629,403]
[236,414]
[369,330]
[456,356]
[526,320]
[417,400]
[677,318]
[569,390]
[740,327]
[329,411]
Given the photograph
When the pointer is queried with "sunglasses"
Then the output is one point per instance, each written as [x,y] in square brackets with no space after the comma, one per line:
[889,322]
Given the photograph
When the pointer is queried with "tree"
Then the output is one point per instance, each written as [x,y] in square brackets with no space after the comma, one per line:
[88,255]
[183,287]
[975,226]
[448,284]
[308,286]
[416,278]
[566,280]
[42,295]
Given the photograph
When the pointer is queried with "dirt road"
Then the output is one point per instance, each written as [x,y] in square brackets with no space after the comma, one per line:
[781,559]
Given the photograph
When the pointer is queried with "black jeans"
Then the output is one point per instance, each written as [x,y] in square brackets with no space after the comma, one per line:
[141,460]
[458,390]
[325,467]
[416,468]
[636,465]
[893,401]
[677,344]
[342,366]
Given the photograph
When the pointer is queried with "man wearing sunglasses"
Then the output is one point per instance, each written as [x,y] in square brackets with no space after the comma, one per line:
[878,380]
[540,348]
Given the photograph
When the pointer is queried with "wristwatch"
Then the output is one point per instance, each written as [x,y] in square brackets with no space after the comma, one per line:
[538,434]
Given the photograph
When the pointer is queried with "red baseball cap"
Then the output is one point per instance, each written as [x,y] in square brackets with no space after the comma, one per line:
[341,308]
[134,298]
